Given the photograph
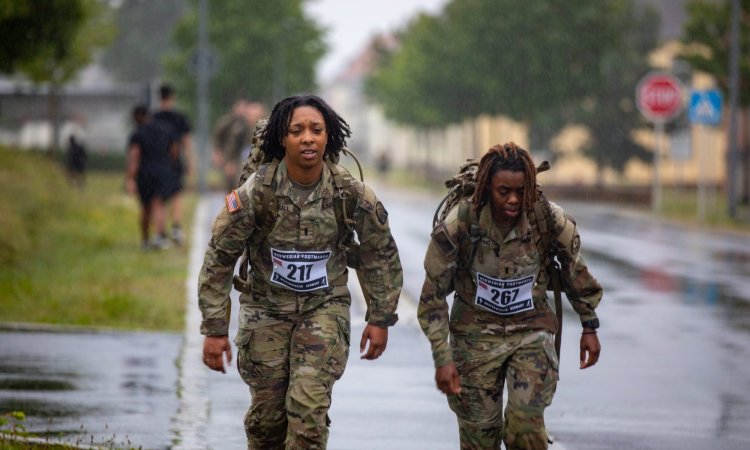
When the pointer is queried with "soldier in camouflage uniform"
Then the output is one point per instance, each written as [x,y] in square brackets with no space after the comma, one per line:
[501,327]
[294,327]
[232,137]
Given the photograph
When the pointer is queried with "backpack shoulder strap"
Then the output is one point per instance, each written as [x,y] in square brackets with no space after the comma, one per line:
[264,200]
[544,222]
[265,209]
[541,219]
[344,201]
[469,234]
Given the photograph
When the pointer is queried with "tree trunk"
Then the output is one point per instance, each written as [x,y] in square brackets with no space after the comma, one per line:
[744,146]
[53,105]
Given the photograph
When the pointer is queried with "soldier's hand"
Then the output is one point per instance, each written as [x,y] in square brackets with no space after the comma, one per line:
[590,349]
[378,338]
[214,348]
[446,378]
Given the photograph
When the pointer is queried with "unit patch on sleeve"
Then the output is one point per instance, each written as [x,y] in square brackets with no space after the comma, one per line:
[575,245]
[381,213]
[233,202]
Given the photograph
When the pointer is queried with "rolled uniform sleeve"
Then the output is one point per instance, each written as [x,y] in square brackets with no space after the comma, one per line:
[229,234]
[583,290]
[380,270]
[440,265]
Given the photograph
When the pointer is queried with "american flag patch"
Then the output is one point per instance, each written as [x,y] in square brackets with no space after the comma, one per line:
[233,202]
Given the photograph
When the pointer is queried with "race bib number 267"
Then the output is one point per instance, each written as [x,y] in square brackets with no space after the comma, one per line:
[504,297]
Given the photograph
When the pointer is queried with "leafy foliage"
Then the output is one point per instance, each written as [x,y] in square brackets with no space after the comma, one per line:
[609,109]
[35,27]
[143,35]
[548,64]
[496,57]
[708,36]
[84,26]
[257,43]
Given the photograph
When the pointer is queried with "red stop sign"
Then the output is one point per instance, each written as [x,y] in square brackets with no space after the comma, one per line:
[659,97]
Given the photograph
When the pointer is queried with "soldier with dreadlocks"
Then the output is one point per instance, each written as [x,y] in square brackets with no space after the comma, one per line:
[294,324]
[501,327]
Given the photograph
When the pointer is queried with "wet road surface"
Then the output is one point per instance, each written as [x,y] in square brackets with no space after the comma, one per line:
[674,372]
[103,387]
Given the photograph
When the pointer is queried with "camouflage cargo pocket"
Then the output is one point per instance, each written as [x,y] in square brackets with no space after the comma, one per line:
[553,369]
[262,356]
[339,352]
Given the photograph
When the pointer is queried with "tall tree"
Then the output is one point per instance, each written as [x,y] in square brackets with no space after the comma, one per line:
[262,50]
[609,110]
[143,34]
[708,37]
[87,28]
[31,28]
[510,58]
[543,63]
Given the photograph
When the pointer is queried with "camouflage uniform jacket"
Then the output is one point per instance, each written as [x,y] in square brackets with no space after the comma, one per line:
[231,135]
[304,231]
[513,257]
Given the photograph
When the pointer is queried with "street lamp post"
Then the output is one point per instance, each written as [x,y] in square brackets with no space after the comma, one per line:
[202,76]
[734,76]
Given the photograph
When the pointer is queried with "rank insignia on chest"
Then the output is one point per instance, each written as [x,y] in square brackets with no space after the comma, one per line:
[233,202]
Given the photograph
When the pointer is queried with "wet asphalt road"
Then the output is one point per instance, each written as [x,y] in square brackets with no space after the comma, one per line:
[102,387]
[674,372]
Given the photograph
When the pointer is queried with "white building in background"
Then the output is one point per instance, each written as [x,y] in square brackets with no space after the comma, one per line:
[371,132]
[94,108]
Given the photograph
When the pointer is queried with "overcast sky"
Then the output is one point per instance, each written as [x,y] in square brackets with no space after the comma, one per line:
[352,23]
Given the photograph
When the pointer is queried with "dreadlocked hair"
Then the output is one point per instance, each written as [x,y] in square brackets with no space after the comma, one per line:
[505,157]
[272,137]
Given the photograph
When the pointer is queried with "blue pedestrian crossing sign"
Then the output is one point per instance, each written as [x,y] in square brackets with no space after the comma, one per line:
[705,107]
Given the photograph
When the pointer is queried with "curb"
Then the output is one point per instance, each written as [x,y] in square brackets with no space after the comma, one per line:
[30,327]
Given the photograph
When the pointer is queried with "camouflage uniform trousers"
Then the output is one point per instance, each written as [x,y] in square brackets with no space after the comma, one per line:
[290,362]
[525,361]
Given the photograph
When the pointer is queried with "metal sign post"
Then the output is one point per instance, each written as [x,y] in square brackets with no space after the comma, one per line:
[659,98]
[704,111]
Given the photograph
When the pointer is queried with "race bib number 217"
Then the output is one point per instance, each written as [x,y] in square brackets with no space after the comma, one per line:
[300,271]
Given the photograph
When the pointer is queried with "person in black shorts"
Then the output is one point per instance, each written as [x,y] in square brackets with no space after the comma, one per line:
[75,162]
[149,174]
[179,126]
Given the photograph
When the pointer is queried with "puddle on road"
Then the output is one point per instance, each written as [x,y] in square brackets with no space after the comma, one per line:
[25,384]
[688,291]
[44,409]
[117,389]
[34,369]
[138,384]
[740,260]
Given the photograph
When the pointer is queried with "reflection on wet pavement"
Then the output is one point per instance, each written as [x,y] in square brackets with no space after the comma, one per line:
[94,388]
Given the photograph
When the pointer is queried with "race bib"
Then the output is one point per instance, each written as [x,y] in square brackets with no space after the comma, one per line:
[504,297]
[300,271]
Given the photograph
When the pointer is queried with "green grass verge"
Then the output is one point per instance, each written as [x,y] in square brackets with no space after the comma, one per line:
[681,205]
[73,257]
[10,444]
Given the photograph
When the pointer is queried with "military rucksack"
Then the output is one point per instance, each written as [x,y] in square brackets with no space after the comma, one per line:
[266,207]
[461,187]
